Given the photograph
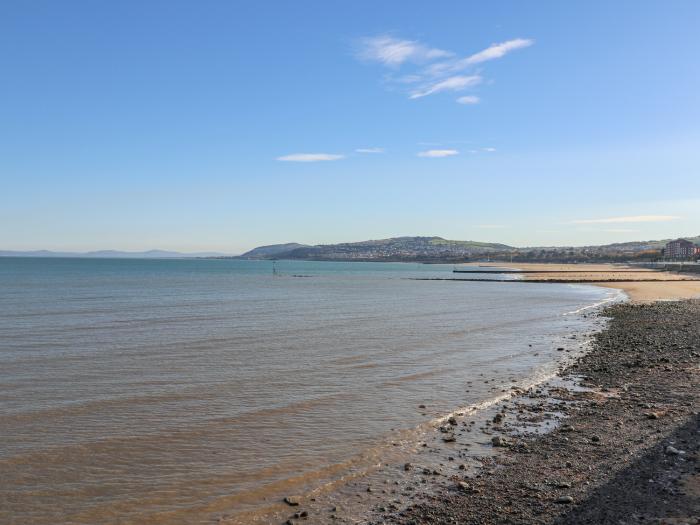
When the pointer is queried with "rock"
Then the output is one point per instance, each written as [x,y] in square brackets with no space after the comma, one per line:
[466,487]
[673,451]
[407,467]
[653,415]
[421,406]
[449,438]
[565,499]
[452,420]
[292,501]
[498,441]
[595,439]
[567,428]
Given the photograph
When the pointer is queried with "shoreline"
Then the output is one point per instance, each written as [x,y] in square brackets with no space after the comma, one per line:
[428,466]
[431,486]
[655,286]
[625,438]
[395,481]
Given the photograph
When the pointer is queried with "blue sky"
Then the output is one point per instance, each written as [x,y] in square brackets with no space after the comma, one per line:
[226,125]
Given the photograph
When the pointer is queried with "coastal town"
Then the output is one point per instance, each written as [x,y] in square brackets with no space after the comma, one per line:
[438,249]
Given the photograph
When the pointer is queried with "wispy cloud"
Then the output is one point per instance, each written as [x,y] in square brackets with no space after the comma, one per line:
[456,83]
[434,70]
[310,157]
[498,50]
[437,153]
[394,52]
[468,99]
[370,150]
[633,218]
[489,150]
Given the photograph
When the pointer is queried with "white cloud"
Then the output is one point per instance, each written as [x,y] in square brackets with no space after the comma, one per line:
[490,150]
[394,52]
[468,99]
[634,218]
[434,70]
[456,83]
[370,150]
[437,153]
[447,67]
[498,50]
[310,157]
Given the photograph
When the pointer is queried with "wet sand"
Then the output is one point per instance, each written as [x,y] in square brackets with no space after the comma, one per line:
[638,285]
[624,442]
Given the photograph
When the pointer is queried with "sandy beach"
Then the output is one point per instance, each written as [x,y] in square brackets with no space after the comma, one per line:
[670,286]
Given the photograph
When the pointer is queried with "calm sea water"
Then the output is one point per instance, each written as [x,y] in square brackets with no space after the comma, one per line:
[171,391]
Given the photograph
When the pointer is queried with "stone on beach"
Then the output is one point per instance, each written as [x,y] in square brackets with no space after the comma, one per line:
[499,441]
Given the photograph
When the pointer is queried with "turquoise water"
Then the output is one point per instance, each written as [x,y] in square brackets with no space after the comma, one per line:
[172,391]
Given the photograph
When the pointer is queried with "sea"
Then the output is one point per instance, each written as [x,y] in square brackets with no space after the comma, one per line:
[183,390]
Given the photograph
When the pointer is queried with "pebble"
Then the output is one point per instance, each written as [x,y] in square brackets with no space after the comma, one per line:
[565,499]
[498,441]
[673,451]
[291,500]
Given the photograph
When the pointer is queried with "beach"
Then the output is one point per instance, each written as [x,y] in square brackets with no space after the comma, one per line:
[389,416]
[621,423]
[639,283]
[625,447]
[612,438]
[212,389]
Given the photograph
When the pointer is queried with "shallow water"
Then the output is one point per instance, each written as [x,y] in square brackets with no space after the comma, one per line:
[172,391]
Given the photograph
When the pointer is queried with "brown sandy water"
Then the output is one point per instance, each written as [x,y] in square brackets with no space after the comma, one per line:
[185,391]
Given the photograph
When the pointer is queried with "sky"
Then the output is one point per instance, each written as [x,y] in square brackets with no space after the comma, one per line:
[221,126]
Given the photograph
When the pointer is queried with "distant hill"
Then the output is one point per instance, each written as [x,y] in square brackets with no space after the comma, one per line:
[272,250]
[106,254]
[393,249]
[437,249]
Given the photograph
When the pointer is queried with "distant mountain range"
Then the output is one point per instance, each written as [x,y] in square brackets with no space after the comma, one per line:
[107,254]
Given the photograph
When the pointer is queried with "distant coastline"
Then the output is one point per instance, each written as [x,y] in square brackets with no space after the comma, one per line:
[417,249]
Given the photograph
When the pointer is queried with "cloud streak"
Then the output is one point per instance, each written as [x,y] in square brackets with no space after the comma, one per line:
[468,99]
[438,153]
[630,219]
[456,83]
[433,70]
[498,50]
[369,150]
[310,157]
